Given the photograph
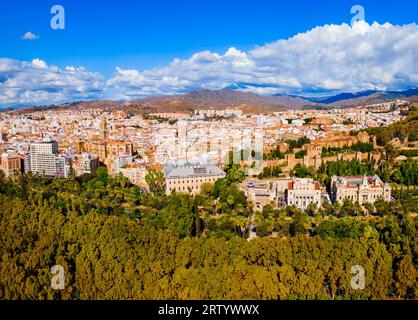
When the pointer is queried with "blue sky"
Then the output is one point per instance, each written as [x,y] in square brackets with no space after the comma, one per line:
[141,35]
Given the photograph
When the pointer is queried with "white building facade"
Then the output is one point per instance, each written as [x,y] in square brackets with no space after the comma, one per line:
[304,192]
[362,189]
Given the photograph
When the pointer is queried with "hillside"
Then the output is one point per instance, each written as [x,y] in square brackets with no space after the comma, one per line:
[344,100]
[215,100]
[254,103]
[406,130]
[249,103]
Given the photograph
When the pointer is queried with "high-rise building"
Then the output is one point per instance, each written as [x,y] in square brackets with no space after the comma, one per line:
[26,163]
[62,166]
[44,147]
[42,158]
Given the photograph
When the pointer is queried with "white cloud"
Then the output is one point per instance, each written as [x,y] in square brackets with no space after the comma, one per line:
[330,58]
[30,36]
[38,63]
[327,58]
[35,82]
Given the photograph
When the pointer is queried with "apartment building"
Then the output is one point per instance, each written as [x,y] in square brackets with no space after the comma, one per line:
[10,164]
[121,161]
[62,166]
[85,164]
[44,147]
[26,162]
[190,179]
[303,192]
[365,189]
[42,158]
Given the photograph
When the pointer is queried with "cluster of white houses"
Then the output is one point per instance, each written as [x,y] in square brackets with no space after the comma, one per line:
[283,191]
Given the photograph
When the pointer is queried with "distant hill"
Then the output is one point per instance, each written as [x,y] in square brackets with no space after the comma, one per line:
[94,104]
[346,100]
[213,99]
[254,103]
[78,105]
[249,103]
[341,96]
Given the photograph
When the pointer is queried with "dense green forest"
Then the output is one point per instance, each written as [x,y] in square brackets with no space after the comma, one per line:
[116,243]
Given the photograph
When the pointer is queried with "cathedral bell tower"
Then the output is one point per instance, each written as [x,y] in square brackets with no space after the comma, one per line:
[103,129]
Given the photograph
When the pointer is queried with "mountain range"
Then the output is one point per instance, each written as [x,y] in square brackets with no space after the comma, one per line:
[254,103]
[249,103]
